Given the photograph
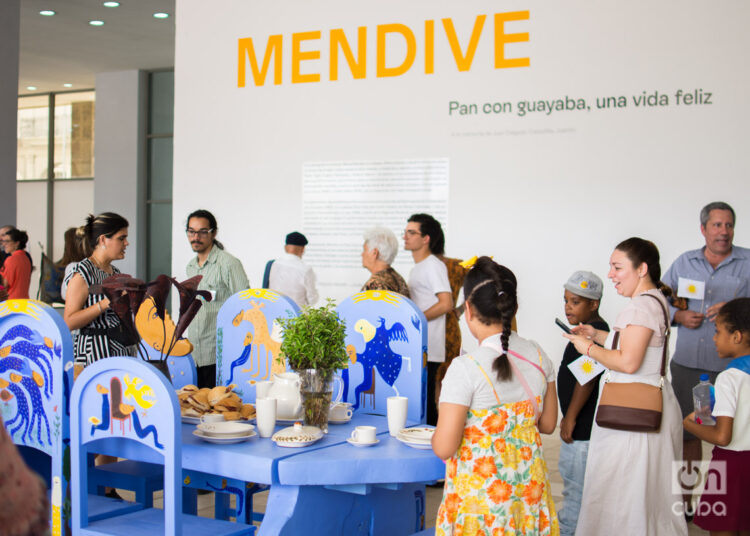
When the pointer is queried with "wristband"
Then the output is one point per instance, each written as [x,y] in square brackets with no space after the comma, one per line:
[589,348]
[100,307]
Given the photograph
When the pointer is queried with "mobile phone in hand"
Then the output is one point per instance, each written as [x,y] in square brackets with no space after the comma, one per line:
[562,325]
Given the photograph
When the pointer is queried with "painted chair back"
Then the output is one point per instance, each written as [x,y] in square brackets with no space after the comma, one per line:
[386,337]
[248,339]
[36,376]
[128,400]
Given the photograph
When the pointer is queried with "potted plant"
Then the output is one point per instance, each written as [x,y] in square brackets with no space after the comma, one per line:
[313,344]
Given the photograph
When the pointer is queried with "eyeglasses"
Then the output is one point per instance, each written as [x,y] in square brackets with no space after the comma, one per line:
[412,232]
[203,233]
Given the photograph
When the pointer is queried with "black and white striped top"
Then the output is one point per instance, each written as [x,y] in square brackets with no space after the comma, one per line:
[90,348]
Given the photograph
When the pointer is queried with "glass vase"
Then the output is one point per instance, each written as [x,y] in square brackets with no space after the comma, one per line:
[316,388]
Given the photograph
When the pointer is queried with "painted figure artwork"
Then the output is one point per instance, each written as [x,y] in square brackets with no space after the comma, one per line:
[248,339]
[386,339]
[36,376]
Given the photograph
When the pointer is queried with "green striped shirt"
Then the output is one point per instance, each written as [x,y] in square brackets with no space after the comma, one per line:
[223,275]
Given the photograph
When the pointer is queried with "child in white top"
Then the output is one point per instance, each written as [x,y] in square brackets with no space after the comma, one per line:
[727,513]
[493,405]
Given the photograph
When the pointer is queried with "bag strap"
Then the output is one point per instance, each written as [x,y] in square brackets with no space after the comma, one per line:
[267,273]
[481,369]
[616,338]
[519,356]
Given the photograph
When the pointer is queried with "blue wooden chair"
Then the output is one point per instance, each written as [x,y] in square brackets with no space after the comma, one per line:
[386,337]
[36,376]
[144,411]
[248,339]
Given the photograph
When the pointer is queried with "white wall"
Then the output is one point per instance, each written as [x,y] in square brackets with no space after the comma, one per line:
[546,194]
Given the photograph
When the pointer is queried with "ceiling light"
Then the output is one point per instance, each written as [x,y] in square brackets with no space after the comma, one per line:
[67,85]
[161,15]
[96,22]
[47,12]
[111,4]
[31,88]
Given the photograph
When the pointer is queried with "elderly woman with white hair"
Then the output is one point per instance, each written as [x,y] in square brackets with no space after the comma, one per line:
[378,252]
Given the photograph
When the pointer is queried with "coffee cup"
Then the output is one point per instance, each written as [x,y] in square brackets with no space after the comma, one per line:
[265,416]
[340,411]
[212,417]
[396,407]
[363,434]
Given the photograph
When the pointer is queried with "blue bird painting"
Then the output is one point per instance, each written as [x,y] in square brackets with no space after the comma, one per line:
[378,353]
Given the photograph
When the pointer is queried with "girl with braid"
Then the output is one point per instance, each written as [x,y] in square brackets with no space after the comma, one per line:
[493,405]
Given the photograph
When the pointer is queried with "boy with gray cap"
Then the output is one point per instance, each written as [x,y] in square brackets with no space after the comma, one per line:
[583,292]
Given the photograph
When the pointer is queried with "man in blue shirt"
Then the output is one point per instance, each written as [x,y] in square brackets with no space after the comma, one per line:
[724,269]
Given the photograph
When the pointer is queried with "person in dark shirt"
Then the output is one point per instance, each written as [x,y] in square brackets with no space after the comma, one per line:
[583,292]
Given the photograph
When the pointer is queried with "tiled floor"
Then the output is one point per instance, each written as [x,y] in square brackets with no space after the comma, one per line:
[551,446]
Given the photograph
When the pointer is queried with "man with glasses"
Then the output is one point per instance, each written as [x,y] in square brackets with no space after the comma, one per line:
[223,276]
[430,290]
[4,229]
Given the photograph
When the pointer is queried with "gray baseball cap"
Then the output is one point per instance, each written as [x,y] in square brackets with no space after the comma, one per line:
[585,284]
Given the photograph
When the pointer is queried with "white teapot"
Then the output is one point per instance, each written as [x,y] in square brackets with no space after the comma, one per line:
[285,390]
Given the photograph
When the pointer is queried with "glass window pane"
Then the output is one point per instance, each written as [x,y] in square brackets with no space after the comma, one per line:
[160,169]
[33,125]
[161,102]
[160,239]
[74,135]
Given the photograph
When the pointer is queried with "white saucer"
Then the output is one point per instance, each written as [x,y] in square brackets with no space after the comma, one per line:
[223,440]
[339,421]
[358,444]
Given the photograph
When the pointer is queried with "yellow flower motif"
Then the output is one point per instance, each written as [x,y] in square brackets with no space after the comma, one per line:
[525,434]
[510,457]
[530,523]
[479,413]
[517,510]
[471,527]
[519,490]
[474,505]
[538,470]
[463,484]
[584,284]
[485,442]
[439,532]
[477,481]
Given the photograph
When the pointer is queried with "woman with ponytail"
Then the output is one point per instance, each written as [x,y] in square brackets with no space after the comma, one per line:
[104,239]
[630,477]
[493,405]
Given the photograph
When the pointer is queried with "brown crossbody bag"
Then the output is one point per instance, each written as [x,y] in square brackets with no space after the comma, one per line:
[636,406]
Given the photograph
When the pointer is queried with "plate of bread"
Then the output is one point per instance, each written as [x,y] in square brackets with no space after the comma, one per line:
[217,404]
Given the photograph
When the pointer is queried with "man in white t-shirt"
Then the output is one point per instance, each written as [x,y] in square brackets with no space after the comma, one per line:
[430,290]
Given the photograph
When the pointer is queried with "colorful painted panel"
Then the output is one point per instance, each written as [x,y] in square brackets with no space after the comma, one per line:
[36,376]
[248,339]
[124,401]
[386,337]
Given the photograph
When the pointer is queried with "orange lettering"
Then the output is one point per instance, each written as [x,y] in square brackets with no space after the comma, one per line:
[245,49]
[358,67]
[298,57]
[501,38]
[429,46]
[411,49]
[463,62]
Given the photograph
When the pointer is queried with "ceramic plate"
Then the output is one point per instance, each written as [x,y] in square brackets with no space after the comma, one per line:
[223,440]
[419,446]
[297,436]
[339,421]
[357,444]
[417,433]
[225,429]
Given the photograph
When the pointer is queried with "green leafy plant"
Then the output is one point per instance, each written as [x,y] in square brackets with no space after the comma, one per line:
[314,339]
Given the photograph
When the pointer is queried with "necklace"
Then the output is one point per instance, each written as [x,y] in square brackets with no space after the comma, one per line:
[96,263]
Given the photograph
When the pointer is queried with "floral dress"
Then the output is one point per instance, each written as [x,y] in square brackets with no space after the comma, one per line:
[496,484]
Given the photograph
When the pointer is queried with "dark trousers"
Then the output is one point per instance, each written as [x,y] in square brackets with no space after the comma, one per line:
[432,370]
[207,376]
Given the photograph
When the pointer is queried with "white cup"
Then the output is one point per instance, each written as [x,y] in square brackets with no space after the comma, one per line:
[262,389]
[265,415]
[363,434]
[212,417]
[396,407]
[340,411]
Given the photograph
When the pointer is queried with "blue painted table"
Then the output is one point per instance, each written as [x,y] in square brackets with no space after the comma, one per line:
[328,488]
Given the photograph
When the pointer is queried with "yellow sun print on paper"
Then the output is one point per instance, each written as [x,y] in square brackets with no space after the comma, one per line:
[587,367]
[691,289]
